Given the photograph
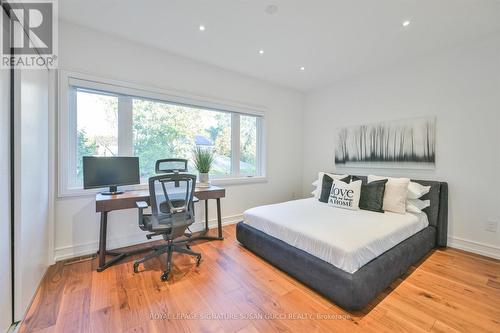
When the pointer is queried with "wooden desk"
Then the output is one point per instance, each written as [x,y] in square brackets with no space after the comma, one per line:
[107,203]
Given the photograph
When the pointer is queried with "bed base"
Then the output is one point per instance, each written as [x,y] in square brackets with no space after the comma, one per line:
[351,291]
[354,291]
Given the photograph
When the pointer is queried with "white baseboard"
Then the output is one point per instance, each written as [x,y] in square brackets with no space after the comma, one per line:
[474,247]
[77,250]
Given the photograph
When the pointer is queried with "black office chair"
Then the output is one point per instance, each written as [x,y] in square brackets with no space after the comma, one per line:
[170,220]
[172,166]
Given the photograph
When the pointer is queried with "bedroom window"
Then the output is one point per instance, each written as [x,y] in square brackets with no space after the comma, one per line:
[169,130]
[97,127]
[113,120]
[248,145]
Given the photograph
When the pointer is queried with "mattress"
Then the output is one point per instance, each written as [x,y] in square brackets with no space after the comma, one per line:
[344,238]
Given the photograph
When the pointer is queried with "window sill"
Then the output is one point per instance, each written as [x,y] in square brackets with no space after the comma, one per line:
[239,180]
[79,192]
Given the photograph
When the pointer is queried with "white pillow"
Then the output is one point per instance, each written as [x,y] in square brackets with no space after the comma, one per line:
[416,191]
[396,191]
[315,185]
[319,182]
[416,205]
[345,195]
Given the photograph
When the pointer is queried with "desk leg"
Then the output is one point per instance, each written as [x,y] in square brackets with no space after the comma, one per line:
[206,215]
[103,264]
[219,219]
[203,235]
[102,240]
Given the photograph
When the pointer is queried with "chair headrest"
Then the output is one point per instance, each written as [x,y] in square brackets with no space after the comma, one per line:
[171,165]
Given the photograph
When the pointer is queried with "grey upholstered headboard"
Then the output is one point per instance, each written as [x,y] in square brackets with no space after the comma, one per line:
[438,210]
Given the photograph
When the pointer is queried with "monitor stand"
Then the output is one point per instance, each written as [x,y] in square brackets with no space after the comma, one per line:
[112,191]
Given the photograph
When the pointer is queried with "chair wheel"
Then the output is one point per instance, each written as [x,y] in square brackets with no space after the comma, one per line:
[164,276]
[198,260]
[136,267]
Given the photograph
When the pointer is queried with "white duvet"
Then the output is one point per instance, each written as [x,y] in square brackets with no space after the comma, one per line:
[347,239]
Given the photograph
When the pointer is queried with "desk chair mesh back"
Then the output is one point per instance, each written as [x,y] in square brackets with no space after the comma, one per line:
[169,218]
[172,166]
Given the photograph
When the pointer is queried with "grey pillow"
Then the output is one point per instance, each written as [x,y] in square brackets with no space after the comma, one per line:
[326,187]
[372,195]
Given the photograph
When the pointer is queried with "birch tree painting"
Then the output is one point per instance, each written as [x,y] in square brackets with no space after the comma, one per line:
[403,143]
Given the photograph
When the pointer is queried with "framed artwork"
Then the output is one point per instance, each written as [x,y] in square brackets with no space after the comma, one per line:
[409,143]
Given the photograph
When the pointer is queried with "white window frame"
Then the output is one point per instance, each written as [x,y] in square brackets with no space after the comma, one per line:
[67,123]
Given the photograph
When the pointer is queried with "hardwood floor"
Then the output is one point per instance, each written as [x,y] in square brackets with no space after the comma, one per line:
[235,291]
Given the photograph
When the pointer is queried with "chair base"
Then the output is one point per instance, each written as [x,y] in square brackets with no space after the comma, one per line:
[169,248]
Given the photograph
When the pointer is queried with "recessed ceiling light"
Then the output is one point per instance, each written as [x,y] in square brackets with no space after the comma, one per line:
[202,27]
[261,51]
[302,68]
[406,23]
[271,9]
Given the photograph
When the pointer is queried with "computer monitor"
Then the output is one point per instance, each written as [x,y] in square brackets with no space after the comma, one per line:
[110,172]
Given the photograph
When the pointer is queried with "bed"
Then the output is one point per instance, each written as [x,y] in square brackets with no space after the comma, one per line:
[349,257]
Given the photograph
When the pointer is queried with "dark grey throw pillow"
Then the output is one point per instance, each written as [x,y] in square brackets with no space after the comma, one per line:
[372,195]
[326,187]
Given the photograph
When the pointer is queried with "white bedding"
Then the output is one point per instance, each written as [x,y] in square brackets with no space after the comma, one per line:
[347,239]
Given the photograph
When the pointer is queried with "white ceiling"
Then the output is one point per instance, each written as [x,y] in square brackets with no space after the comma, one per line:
[332,39]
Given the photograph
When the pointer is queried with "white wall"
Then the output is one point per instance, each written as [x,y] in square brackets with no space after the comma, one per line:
[5,244]
[462,88]
[87,51]
[31,177]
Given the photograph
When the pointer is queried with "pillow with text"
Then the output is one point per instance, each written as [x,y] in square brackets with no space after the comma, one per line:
[344,195]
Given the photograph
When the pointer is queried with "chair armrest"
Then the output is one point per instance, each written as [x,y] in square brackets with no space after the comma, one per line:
[141,204]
